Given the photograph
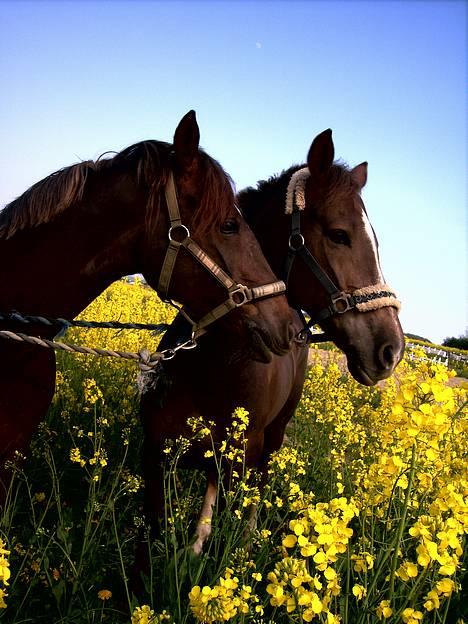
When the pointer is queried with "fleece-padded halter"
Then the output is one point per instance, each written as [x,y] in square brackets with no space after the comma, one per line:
[363,299]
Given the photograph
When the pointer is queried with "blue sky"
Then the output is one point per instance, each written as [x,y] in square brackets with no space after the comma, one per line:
[79,78]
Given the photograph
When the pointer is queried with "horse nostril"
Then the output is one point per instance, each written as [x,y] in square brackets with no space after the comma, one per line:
[386,356]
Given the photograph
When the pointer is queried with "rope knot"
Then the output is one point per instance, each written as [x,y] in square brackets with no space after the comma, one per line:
[148,361]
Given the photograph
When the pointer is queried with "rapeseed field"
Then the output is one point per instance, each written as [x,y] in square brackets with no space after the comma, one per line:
[363,519]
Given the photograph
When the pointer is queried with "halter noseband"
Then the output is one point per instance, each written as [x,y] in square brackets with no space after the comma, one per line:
[179,236]
[363,299]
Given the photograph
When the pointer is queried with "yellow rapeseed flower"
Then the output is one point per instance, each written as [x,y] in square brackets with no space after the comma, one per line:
[75,457]
[384,611]
[143,615]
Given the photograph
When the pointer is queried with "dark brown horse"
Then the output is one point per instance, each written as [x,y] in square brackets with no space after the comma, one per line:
[72,234]
[336,278]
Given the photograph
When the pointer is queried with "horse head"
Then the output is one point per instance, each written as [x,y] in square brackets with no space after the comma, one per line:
[222,257]
[337,232]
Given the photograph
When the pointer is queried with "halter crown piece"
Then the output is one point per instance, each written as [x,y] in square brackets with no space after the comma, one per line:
[363,299]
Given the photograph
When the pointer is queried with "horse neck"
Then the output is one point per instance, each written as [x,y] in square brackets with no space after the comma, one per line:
[264,212]
[59,267]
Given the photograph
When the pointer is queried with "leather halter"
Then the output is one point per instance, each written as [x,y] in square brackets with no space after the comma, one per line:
[363,299]
[179,236]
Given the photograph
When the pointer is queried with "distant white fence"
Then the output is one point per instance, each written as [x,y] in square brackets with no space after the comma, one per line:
[440,355]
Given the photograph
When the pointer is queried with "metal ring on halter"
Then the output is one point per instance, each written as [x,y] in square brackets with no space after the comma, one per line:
[344,301]
[170,234]
[301,241]
[244,293]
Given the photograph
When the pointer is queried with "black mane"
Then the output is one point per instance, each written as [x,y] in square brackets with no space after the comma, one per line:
[251,198]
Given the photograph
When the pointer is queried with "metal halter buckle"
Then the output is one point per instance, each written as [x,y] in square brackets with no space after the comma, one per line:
[240,295]
[342,302]
[292,246]
[174,229]
[190,344]
[168,354]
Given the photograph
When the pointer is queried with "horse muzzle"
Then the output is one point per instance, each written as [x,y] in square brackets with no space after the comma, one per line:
[369,366]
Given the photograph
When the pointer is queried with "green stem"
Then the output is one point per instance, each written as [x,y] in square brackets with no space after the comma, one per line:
[401,526]
[122,565]
[348,582]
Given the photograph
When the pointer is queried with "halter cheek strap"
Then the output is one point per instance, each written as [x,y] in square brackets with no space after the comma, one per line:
[179,236]
[363,299]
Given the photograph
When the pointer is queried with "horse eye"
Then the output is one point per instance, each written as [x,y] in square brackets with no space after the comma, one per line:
[340,237]
[230,226]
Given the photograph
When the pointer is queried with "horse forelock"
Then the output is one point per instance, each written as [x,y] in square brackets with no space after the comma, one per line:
[49,197]
[335,186]
[339,183]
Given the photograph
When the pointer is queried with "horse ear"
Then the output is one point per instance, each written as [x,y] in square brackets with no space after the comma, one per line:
[321,154]
[359,174]
[186,140]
